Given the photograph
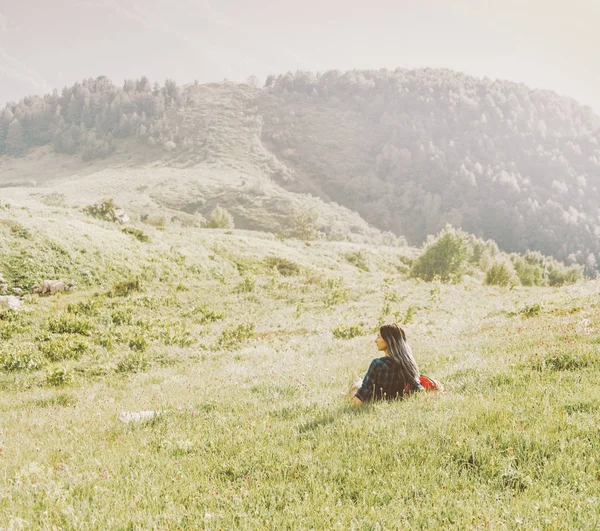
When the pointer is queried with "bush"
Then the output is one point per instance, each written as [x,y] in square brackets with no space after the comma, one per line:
[336,292]
[122,316]
[535,269]
[133,362]
[246,286]
[560,274]
[285,267]
[59,377]
[444,257]
[138,343]
[502,273]
[69,324]
[348,331]
[358,259]
[305,222]
[125,288]
[105,209]
[203,314]
[220,219]
[89,308]
[63,348]
[232,336]
[20,359]
[139,234]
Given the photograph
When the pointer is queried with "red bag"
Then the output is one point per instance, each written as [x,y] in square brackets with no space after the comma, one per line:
[429,384]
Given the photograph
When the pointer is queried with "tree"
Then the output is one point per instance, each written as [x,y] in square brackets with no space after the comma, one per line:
[444,257]
[220,219]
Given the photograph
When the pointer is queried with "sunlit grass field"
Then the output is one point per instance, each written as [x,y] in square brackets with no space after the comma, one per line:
[244,344]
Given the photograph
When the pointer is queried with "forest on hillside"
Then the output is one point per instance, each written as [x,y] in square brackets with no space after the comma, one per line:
[410,150]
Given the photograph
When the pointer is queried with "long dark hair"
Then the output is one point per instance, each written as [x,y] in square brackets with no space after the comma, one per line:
[400,351]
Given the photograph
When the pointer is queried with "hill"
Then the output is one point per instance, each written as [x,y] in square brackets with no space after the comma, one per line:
[243,342]
[408,150]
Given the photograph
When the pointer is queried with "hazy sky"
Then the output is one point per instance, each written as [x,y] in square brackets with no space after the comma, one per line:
[549,44]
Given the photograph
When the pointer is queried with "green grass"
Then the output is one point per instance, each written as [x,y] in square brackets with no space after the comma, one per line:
[254,434]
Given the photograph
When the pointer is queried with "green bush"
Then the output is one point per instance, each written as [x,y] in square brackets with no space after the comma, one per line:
[285,267]
[409,315]
[233,336]
[348,331]
[502,273]
[138,343]
[336,293]
[246,286]
[122,316]
[89,308]
[202,314]
[177,335]
[219,219]
[126,287]
[63,348]
[19,359]
[139,234]
[133,362]
[535,269]
[358,259]
[105,209]
[70,324]
[444,257]
[11,324]
[59,377]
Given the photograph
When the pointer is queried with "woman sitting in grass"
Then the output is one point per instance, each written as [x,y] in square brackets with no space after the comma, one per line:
[392,375]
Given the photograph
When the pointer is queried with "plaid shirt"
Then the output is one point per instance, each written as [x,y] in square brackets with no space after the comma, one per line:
[383,381]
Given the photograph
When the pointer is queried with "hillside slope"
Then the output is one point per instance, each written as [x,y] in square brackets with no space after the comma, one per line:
[408,150]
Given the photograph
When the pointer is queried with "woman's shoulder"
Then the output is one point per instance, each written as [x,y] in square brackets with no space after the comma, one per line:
[384,362]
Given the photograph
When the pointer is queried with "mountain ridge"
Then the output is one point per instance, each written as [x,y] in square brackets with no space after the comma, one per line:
[409,150]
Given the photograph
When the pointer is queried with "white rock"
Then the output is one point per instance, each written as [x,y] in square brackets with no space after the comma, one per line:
[10,302]
[137,416]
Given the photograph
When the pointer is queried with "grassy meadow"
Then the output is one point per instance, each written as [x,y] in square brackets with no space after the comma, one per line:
[245,342]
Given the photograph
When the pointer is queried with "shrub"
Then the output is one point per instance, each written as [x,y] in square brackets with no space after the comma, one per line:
[530,310]
[232,336]
[11,323]
[133,362]
[20,359]
[246,286]
[139,234]
[59,377]
[138,343]
[409,315]
[16,228]
[305,222]
[126,287]
[105,209]
[336,292]
[63,348]
[89,308]
[444,257]
[502,273]
[348,331]
[285,267]
[220,219]
[122,316]
[69,324]
[203,314]
[535,269]
[177,335]
[560,274]
[358,259]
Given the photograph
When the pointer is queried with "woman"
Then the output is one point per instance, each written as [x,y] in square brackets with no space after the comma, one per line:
[392,375]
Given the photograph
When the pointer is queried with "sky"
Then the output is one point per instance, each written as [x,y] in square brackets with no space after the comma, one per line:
[548,44]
